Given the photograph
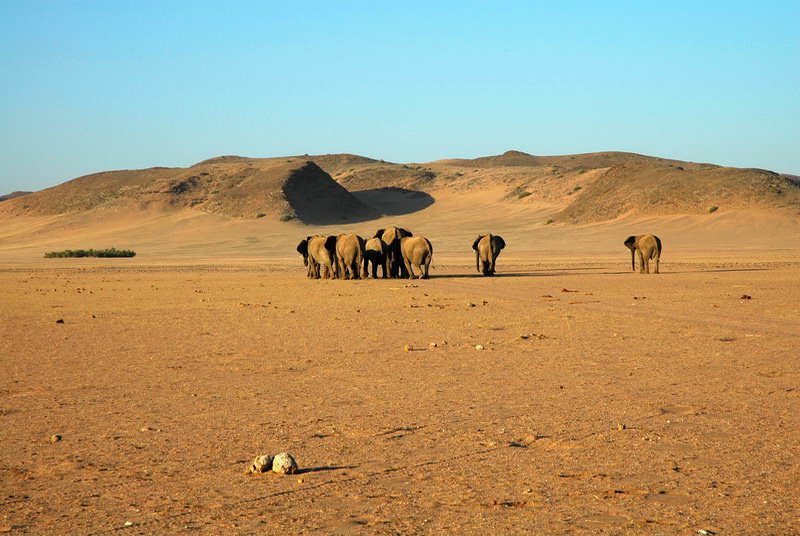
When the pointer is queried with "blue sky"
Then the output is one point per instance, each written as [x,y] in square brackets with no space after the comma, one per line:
[90,86]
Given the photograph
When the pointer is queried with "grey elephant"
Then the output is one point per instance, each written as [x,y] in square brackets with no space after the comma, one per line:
[375,255]
[391,236]
[416,251]
[349,255]
[319,254]
[647,247]
[487,248]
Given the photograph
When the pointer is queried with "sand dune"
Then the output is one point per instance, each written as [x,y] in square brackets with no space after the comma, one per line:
[570,206]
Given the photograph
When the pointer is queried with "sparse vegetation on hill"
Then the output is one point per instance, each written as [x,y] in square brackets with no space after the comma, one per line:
[646,188]
[110,252]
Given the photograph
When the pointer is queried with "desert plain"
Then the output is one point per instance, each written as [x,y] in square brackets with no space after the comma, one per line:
[565,395]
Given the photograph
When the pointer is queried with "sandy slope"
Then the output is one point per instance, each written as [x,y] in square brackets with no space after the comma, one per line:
[451,222]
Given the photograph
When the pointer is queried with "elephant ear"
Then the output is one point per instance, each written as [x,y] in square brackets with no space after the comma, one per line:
[302,247]
[330,244]
[404,232]
[475,244]
[630,241]
[379,233]
[499,242]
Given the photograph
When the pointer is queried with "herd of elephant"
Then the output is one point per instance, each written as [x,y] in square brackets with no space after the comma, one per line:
[396,251]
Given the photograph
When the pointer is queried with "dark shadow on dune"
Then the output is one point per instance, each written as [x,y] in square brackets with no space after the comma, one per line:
[317,199]
[393,201]
[325,468]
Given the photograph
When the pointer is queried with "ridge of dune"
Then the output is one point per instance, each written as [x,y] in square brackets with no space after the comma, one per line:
[12,195]
[231,186]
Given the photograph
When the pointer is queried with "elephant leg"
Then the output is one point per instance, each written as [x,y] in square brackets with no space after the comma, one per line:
[641,261]
[409,269]
[657,259]
[426,269]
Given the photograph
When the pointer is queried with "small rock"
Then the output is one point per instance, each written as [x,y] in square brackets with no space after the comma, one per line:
[55,438]
[621,426]
[408,347]
[745,297]
[470,304]
[60,321]
[261,464]
[128,524]
[432,345]
[284,463]
[479,347]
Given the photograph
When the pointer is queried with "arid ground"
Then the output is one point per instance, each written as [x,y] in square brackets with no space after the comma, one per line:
[603,401]
[566,395]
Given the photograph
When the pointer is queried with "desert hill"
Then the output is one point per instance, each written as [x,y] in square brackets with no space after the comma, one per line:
[238,187]
[647,188]
[233,206]
[12,195]
[328,189]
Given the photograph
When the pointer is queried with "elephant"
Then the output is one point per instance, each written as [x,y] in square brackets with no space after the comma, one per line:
[487,248]
[313,267]
[394,258]
[322,254]
[648,247]
[349,255]
[417,251]
[375,253]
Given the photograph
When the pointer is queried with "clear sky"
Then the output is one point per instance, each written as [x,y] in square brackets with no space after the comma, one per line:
[91,86]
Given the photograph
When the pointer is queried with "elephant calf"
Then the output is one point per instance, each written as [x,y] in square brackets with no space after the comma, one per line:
[416,251]
[487,248]
[375,254]
[646,247]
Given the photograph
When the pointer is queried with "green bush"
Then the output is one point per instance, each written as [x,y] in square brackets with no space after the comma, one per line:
[287,217]
[713,209]
[523,193]
[548,222]
[111,252]
[577,188]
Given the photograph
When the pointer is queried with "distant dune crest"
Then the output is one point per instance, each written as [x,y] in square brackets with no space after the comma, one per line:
[329,189]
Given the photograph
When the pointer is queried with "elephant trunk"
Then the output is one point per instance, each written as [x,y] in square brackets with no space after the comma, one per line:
[477,261]
[633,262]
